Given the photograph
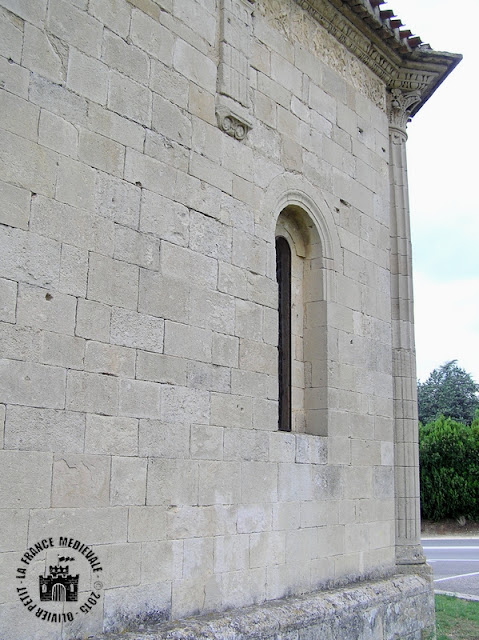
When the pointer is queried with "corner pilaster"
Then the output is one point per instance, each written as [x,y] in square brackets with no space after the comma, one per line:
[409,552]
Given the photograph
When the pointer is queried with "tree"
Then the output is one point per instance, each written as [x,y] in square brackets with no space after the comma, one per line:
[449,391]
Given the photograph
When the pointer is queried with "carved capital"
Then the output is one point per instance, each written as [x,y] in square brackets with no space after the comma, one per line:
[400,104]
[232,123]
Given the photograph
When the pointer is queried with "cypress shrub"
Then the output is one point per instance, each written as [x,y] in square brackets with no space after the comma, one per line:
[449,469]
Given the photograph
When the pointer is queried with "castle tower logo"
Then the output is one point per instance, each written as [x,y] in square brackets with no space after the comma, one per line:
[59,585]
[58,580]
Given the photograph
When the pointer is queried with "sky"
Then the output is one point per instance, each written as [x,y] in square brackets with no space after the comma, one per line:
[442,151]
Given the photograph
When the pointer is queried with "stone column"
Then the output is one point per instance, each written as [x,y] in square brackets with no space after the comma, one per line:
[409,553]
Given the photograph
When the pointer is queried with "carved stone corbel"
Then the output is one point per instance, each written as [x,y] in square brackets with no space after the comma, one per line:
[400,104]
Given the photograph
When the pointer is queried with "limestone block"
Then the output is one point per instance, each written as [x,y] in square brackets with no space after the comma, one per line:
[199,17]
[172,482]
[146,523]
[259,482]
[184,405]
[19,116]
[126,604]
[74,226]
[75,27]
[151,174]
[165,218]
[111,435]
[358,482]
[206,442]
[38,174]
[311,449]
[116,127]
[139,399]
[258,356]
[192,594]
[73,271]
[101,152]
[27,383]
[365,452]
[232,280]
[163,440]
[97,526]
[267,548]
[125,58]
[383,482]
[110,359]
[14,206]
[13,535]
[211,173]
[249,252]
[287,515]
[282,447]
[114,14]
[195,66]
[136,248]
[27,479]
[41,309]
[57,99]
[92,392]
[19,342]
[250,383]
[210,237]
[121,565]
[8,300]
[230,410]
[57,134]
[93,320]
[197,269]
[163,297]
[168,83]
[117,200]
[76,184]
[248,321]
[219,483]
[80,481]
[14,77]
[137,330]
[11,36]
[243,588]
[152,37]
[161,560]
[128,481]
[160,368]
[2,424]
[225,350]
[113,282]
[170,121]
[209,377]
[198,557]
[167,151]
[187,342]
[248,445]
[62,351]
[286,74]
[231,553]
[301,547]
[294,482]
[44,55]
[129,99]
[212,310]
[199,521]
[201,103]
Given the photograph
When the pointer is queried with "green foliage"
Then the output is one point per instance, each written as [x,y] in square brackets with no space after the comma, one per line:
[449,391]
[449,469]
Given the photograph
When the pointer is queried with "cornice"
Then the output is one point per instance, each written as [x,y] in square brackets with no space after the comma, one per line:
[397,59]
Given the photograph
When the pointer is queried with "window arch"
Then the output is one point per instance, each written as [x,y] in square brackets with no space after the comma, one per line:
[302,336]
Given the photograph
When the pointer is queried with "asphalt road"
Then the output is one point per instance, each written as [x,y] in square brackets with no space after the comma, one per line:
[455,563]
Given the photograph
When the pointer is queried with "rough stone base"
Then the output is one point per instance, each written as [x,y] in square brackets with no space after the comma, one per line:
[399,608]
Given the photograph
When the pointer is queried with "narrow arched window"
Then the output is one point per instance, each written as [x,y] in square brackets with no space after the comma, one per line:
[283,276]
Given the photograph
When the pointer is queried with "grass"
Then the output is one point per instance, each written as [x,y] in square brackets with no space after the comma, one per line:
[457,619]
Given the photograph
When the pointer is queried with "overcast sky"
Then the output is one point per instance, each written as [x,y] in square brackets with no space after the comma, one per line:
[442,148]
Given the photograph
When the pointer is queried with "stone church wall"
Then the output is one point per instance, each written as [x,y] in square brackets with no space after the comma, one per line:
[144,172]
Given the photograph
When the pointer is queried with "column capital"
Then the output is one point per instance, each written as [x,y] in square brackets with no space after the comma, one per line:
[400,104]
